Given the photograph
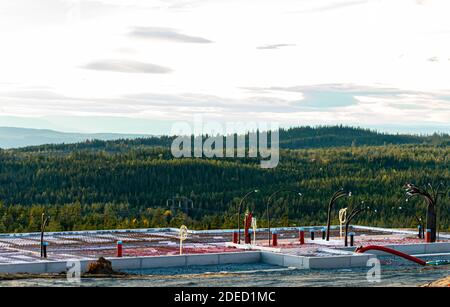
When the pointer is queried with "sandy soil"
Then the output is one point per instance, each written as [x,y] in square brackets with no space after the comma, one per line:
[444,282]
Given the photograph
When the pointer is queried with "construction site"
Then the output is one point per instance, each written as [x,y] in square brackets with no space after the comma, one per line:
[303,248]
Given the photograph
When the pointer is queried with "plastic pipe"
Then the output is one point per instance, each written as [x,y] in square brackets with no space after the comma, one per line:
[428,236]
[390,251]
[302,236]
[352,238]
[119,248]
[235,237]
[274,239]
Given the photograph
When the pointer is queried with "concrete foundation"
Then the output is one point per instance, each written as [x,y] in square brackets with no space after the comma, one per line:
[318,254]
[350,260]
[136,263]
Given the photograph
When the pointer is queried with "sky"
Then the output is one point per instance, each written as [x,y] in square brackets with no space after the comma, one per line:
[139,66]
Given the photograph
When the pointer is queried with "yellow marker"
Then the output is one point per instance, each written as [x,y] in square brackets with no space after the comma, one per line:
[183,236]
[254,226]
[342,219]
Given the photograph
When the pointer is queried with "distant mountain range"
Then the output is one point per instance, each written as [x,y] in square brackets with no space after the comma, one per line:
[23,137]
[293,138]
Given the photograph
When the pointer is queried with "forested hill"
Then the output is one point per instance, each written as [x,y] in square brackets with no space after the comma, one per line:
[128,184]
[293,138]
[339,136]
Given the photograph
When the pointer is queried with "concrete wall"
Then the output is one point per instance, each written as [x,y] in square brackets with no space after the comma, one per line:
[137,263]
[292,261]
[330,262]
[440,247]
[40,267]
[339,262]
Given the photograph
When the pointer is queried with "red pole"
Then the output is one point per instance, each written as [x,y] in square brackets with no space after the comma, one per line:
[428,236]
[119,248]
[302,236]
[274,239]
[248,223]
[235,237]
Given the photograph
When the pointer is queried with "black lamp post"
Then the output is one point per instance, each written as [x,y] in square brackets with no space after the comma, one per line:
[239,212]
[269,201]
[355,212]
[44,221]
[431,196]
[338,194]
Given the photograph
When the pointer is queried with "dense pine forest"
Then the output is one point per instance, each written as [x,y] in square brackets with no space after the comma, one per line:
[127,183]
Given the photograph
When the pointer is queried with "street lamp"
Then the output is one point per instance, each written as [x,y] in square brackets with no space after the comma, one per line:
[269,202]
[44,221]
[355,212]
[431,196]
[338,194]
[239,212]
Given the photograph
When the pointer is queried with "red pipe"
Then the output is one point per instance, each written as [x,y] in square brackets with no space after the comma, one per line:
[274,239]
[428,236]
[390,251]
[235,237]
[247,225]
[302,236]
[119,249]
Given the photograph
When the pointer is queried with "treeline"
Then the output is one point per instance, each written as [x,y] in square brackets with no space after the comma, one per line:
[129,188]
[342,136]
[292,138]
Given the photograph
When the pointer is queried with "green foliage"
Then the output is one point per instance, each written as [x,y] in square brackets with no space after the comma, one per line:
[125,184]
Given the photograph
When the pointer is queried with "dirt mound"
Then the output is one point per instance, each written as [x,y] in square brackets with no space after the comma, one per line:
[101,267]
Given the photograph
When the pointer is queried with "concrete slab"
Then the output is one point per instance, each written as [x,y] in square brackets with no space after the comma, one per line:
[439,247]
[56,267]
[333,262]
[205,259]
[359,261]
[272,258]
[126,263]
[294,261]
[30,268]
[163,262]
[245,257]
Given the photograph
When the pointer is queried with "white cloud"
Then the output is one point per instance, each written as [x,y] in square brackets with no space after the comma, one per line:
[274,46]
[339,61]
[165,34]
[126,66]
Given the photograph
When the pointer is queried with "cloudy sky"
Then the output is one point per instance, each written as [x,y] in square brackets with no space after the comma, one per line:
[137,66]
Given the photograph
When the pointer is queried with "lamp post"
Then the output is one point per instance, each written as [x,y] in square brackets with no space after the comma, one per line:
[269,202]
[239,212]
[431,196]
[44,221]
[355,212]
[338,194]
